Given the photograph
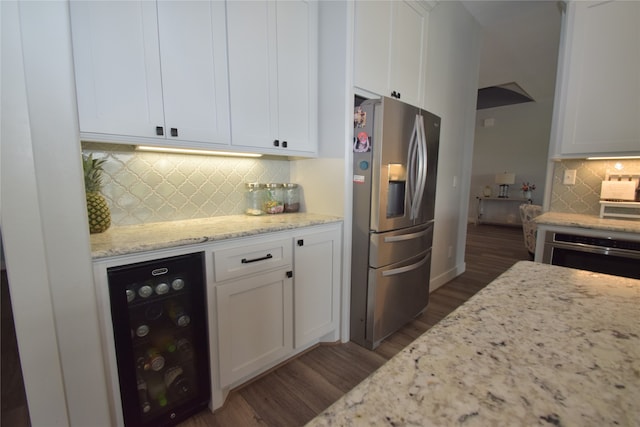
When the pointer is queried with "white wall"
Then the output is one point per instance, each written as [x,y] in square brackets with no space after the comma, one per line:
[520,47]
[322,179]
[451,91]
[518,142]
[44,228]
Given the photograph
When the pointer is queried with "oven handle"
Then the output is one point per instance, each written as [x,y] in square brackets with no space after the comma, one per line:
[581,247]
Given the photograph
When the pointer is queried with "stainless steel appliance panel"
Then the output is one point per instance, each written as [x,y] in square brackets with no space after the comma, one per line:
[602,255]
[394,296]
[391,126]
[394,246]
[395,159]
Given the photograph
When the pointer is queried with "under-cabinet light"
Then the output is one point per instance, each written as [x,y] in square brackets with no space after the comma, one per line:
[614,158]
[194,151]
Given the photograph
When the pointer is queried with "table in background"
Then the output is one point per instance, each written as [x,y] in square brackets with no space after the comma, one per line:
[499,210]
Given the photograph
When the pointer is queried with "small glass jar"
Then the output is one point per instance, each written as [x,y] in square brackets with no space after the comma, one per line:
[274,199]
[254,198]
[291,198]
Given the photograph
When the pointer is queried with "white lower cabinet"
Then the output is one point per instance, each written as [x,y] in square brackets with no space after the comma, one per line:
[271,297]
[316,285]
[255,324]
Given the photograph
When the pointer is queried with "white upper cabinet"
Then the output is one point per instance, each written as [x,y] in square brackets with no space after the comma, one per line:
[597,108]
[391,48]
[273,50]
[151,72]
[117,67]
[194,73]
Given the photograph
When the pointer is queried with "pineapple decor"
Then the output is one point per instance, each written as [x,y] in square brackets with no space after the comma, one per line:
[97,208]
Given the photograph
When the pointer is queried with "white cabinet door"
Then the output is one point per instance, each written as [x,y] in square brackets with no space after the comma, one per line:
[194,74]
[390,49]
[408,54]
[254,324]
[273,75]
[598,104]
[316,291]
[297,44]
[372,46]
[117,67]
[151,70]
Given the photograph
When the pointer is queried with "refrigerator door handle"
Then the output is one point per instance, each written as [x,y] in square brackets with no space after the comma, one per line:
[404,237]
[407,268]
[422,166]
[412,158]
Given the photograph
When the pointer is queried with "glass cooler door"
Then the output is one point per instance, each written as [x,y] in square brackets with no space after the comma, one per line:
[158,311]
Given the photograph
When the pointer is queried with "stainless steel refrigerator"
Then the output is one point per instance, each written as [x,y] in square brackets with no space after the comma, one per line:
[395,160]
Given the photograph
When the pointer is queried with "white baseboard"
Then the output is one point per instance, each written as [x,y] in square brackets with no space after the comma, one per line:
[447,276]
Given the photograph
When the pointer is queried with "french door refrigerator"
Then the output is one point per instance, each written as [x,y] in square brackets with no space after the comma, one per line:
[160,331]
[395,160]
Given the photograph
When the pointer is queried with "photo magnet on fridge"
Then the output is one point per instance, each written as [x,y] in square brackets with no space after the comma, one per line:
[361,144]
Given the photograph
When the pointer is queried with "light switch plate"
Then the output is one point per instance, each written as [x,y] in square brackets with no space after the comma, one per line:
[569,177]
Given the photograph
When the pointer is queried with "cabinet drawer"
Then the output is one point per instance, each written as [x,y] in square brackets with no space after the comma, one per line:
[245,259]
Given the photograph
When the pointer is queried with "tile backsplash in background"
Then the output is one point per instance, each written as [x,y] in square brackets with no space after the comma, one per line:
[584,196]
[143,187]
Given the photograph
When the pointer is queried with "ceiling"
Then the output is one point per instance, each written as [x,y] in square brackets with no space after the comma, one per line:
[520,43]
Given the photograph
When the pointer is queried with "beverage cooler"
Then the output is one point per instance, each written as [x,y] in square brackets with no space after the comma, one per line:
[158,309]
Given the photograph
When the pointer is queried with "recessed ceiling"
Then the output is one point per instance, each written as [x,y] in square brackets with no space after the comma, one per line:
[502,95]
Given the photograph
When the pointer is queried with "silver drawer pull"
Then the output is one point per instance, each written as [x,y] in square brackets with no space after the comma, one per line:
[247,261]
[402,237]
[406,269]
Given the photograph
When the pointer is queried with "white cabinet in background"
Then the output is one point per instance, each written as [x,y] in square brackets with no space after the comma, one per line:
[316,284]
[390,49]
[273,51]
[597,101]
[151,70]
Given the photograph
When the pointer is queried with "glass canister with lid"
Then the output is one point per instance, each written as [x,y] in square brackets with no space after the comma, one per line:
[274,199]
[254,198]
[291,198]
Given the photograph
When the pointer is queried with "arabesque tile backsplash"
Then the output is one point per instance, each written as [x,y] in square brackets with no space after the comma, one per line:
[144,187]
[584,196]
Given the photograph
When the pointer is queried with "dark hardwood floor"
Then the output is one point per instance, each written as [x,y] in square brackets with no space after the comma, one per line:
[297,391]
[14,406]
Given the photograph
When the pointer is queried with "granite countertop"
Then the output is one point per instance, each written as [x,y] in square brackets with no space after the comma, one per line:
[588,221]
[160,235]
[540,345]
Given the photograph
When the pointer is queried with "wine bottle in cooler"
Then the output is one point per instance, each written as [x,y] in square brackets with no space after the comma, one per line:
[185,349]
[155,360]
[143,396]
[178,314]
[165,343]
[157,389]
[177,383]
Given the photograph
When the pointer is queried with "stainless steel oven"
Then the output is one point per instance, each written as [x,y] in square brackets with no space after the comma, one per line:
[600,254]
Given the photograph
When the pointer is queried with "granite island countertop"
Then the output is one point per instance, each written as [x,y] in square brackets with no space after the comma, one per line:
[132,239]
[588,221]
[540,345]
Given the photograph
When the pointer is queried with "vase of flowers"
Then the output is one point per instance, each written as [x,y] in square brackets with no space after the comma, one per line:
[527,190]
